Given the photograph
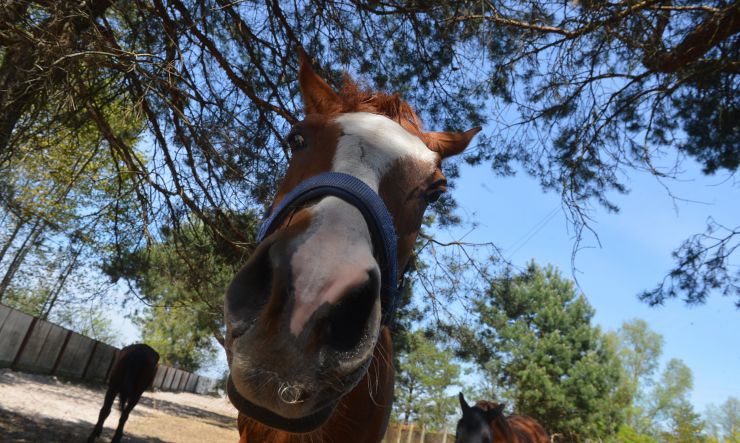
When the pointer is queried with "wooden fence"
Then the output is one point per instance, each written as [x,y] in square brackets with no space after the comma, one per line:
[415,433]
[30,344]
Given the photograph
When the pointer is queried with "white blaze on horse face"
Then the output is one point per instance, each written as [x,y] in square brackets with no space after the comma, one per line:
[335,253]
[332,256]
[370,144]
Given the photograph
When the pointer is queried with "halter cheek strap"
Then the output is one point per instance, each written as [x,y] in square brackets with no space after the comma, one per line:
[368,202]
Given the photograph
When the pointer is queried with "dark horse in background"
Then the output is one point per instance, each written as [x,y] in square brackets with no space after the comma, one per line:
[485,423]
[132,373]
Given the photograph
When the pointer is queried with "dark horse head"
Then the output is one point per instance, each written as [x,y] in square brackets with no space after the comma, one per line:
[306,312]
[481,423]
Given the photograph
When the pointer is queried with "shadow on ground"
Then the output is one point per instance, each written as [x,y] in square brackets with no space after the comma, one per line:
[213,418]
[21,429]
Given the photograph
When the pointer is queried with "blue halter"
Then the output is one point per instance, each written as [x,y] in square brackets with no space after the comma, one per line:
[379,221]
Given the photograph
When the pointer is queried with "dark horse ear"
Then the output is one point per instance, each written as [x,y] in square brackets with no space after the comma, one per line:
[318,96]
[495,412]
[463,404]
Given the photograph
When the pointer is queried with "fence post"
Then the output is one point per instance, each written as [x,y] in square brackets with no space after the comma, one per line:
[184,382]
[110,365]
[423,432]
[169,382]
[61,352]
[400,431]
[172,380]
[444,435]
[89,359]
[411,432]
[26,337]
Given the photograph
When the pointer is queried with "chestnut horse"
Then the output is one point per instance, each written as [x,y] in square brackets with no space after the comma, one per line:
[132,373]
[485,423]
[308,339]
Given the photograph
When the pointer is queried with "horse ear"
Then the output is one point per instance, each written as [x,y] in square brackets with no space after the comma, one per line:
[318,97]
[463,404]
[447,144]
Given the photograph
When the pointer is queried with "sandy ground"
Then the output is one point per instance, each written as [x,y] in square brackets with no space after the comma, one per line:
[36,408]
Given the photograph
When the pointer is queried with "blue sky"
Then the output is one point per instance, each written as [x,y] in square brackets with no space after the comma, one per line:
[635,253]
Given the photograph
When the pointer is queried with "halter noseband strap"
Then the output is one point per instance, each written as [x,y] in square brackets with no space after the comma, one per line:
[368,202]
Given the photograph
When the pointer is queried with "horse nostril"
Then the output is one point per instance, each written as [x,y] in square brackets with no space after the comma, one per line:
[347,322]
[249,292]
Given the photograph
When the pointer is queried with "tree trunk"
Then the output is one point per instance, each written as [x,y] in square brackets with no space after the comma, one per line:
[10,240]
[59,285]
[20,255]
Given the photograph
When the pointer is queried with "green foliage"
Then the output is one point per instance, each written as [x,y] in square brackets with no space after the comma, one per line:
[673,388]
[24,300]
[685,425]
[423,376]
[723,421]
[91,321]
[182,279]
[547,357]
[639,349]
[179,335]
[627,434]
[657,407]
[62,199]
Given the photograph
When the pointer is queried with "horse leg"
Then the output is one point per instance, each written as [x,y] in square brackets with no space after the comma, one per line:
[110,396]
[125,411]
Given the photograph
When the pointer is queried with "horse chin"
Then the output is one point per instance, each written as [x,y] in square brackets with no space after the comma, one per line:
[259,377]
[297,425]
[289,417]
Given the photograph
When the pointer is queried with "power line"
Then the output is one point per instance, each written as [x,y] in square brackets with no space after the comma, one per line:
[529,235]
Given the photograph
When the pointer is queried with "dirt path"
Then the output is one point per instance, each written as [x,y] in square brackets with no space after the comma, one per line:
[35,408]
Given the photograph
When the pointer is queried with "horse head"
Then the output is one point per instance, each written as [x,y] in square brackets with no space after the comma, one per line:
[304,314]
[479,422]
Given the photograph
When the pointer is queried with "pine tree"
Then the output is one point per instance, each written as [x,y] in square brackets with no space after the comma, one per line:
[547,357]
[424,374]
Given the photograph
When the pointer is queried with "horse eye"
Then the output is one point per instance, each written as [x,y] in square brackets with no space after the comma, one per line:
[296,140]
[433,195]
[435,190]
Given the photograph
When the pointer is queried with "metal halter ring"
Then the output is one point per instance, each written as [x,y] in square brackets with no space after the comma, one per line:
[290,394]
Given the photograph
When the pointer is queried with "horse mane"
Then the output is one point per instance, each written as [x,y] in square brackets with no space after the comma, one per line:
[359,97]
[529,430]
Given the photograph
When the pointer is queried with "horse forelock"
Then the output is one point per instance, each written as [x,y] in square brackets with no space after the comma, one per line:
[358,97]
